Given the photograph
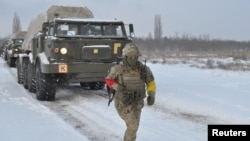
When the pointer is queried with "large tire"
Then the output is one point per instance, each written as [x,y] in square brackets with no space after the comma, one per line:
[8,60]
[11,62]
[19,73]
[31,80]
[45,88]
[25,73]
[83,84]
[5,56]
[93,85]
[96,85]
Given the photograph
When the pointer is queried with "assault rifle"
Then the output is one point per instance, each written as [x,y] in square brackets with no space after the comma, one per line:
[111,93]
[118,59]
[144,72]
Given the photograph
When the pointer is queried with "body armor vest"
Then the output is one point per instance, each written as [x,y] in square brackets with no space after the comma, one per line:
[134,86]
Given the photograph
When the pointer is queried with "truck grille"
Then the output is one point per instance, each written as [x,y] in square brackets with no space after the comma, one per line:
[96,53]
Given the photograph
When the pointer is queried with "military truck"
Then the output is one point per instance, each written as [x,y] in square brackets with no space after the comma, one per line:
[70,48]
[13,49]
[2,50]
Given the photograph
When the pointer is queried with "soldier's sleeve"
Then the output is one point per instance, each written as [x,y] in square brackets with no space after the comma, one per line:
[111,77]
[150,82]
[112,73]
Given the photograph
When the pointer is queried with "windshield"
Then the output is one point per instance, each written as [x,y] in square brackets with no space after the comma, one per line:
[17,41]
[90,29]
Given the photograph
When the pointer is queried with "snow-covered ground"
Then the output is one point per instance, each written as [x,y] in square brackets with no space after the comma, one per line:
[187,100]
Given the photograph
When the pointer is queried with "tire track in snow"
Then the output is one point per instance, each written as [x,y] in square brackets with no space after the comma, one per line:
[87,112]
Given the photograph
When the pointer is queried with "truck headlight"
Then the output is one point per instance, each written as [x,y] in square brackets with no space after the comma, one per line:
[56,50]
[63,50]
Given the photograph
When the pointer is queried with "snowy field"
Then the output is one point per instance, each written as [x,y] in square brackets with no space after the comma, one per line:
[187,100]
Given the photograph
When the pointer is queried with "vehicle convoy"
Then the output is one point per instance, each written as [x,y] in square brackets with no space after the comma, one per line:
[13,49]
[67,45]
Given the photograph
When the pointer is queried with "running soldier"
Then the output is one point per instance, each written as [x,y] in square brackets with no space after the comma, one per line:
[131,80]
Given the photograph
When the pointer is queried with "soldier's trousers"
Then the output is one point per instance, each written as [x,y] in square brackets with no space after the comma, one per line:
[131,115]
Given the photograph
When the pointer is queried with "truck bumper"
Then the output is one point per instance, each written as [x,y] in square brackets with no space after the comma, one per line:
[79,72]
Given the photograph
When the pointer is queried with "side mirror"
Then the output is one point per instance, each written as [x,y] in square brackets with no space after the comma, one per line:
[131,30]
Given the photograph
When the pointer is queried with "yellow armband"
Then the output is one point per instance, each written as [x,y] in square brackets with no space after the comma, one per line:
[151,87]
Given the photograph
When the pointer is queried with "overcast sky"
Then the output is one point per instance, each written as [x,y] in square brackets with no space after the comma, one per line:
[220,19]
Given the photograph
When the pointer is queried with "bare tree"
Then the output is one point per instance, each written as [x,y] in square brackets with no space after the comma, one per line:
[16,26]
[158,27]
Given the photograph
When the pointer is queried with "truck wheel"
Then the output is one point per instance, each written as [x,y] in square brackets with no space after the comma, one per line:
[45,88]
[12,62]
[83,84]
[8,60]
[25,74]
[5,56]
[96,85]
[19,73]
[31,80]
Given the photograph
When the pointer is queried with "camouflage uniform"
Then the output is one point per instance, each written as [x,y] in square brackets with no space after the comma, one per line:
[130,89]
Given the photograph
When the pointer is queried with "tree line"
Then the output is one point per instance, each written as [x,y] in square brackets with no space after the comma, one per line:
[191,44]
[185,43]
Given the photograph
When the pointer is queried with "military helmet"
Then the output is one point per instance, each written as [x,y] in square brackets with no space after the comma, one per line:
[130,49]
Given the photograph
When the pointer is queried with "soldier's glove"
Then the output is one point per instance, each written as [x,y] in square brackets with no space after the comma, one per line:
[150,99]
[118,87]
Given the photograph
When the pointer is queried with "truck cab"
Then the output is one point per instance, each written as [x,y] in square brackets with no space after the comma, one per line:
[13,50]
